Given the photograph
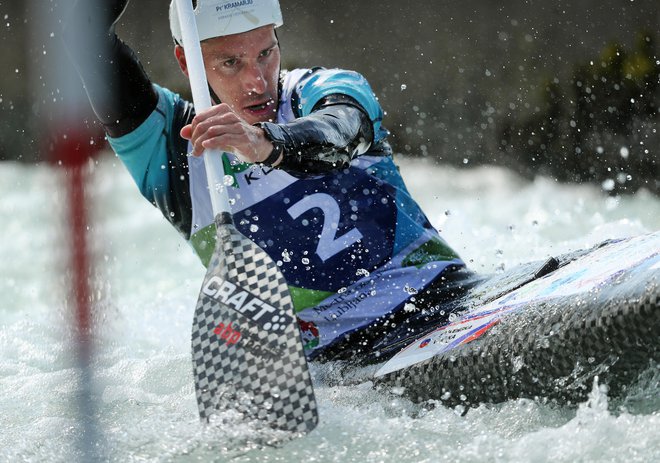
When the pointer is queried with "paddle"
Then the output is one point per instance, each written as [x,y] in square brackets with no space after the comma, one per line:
[247,351]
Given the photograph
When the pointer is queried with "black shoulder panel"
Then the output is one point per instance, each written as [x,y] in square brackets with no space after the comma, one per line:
[177,208]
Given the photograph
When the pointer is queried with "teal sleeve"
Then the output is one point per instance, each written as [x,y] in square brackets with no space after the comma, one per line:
[332,81]
[144,151]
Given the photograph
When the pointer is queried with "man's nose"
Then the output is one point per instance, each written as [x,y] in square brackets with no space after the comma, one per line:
[253,80]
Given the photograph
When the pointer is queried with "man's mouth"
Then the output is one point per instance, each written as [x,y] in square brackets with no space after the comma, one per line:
[263,107]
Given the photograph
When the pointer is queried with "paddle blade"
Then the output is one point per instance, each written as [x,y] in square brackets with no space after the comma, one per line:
[247,351]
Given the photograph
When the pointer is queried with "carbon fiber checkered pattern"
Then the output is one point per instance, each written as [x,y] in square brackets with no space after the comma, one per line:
[261,371]
[552,351]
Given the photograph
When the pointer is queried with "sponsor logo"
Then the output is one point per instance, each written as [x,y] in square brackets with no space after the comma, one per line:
[480,331]
[226,332]
[230,5]
[253,175]
[310,334]
[255,344]
[260,347]
[345,302]
[424,343]
[246,304]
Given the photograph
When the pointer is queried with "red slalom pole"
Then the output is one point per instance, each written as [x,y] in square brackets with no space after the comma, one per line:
[70,146]
[73,147]
[80,262]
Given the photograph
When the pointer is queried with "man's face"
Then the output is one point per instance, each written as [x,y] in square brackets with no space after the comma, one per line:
[243,71]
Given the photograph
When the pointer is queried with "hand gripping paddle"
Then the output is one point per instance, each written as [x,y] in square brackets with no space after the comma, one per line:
[247,351]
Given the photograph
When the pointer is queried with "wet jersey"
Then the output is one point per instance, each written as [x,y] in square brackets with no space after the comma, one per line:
[352,244]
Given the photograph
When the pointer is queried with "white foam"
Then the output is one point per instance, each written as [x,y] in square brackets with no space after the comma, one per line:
[149,280]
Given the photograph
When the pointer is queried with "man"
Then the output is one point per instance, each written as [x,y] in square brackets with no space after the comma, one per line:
[313,181]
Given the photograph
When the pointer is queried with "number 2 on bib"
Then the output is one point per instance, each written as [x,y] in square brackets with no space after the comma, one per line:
[329,244]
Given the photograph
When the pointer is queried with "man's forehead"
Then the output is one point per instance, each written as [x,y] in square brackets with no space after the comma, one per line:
[243,43]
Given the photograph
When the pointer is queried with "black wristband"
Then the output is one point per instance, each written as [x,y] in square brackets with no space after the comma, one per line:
[275,135]
[274,155]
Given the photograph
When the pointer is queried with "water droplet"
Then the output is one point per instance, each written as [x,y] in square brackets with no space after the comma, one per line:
[621,177]
[403,87]
[254,228]
[228,180]
[608,184]
[410,290]
[517,364]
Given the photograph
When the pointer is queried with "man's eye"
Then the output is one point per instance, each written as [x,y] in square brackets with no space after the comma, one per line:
[266,52]
[230,63]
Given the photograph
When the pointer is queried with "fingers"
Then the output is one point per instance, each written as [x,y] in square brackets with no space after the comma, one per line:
[220,128]
[229,142]
[186,132]
[218,110]
[220,136]
[214,122]
[217,125]
[213,111]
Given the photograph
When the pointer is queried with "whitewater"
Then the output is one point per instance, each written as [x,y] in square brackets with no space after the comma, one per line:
[146,282]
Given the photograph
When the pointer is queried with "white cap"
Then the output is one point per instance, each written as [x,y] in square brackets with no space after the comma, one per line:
[217,18]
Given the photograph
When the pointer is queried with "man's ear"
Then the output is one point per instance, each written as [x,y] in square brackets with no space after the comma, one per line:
[180,56]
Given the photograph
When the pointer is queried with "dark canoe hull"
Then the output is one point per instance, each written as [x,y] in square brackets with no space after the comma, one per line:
[597,315]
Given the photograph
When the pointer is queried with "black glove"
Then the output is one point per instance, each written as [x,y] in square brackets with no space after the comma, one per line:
[117,9]
[99,15]
[119,90]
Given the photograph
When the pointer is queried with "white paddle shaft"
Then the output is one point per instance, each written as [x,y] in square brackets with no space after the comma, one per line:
[202,100]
